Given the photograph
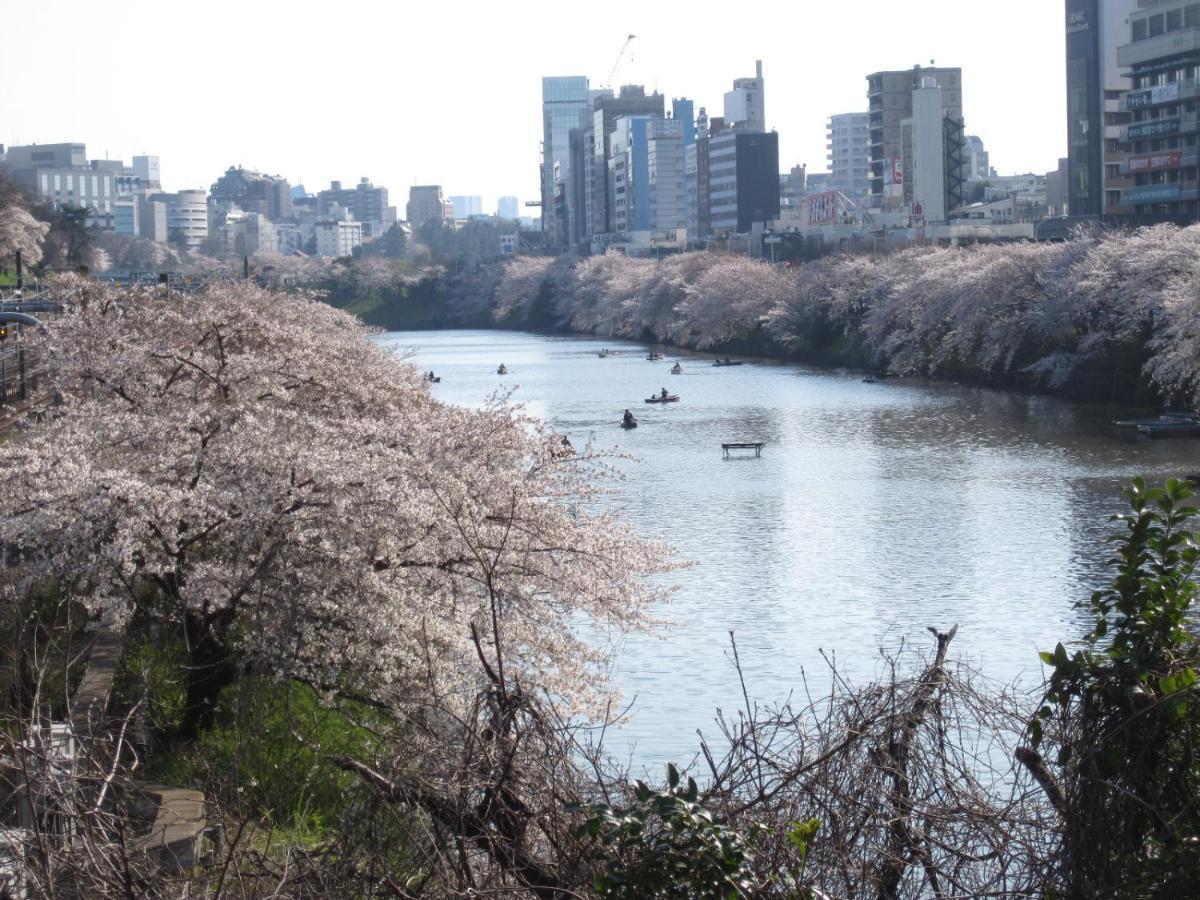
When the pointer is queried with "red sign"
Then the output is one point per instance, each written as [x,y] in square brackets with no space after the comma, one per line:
[1170,159]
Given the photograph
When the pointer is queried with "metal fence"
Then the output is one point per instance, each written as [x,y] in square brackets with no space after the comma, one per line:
[18,373]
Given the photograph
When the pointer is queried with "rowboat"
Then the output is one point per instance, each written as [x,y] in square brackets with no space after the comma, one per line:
[654,357]
[632,423]
[670,398]
[729,362]
[503,370]
[1171,418]
[1171,429]
[677,369]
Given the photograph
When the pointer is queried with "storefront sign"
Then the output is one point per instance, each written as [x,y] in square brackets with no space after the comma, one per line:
[1154,161]
[1150,129]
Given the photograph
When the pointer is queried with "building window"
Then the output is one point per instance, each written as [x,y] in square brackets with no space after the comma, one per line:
[1156,25]
[1174,19]
[1192,15]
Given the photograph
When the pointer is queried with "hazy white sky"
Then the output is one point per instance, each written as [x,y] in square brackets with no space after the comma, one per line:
[449,91]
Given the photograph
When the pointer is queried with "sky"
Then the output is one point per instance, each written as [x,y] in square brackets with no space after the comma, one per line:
[449,92]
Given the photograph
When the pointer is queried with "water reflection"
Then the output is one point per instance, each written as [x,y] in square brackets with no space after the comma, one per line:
[875,510]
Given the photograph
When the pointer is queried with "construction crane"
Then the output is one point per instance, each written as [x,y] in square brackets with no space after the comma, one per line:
[620,56]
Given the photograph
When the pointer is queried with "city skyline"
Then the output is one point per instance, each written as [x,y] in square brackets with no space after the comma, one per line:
[407,116]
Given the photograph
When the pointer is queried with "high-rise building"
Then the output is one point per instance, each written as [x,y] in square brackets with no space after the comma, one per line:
[683,111]
[565,107]
[665,174]
[745,105]
[187,217]
[890,96]
[744,180]
[427,204]
[1161,49]
[1095,84]
[465,207]
[849,144]
[508,208]
[632,101]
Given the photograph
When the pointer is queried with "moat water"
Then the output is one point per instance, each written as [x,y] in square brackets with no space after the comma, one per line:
[874,511]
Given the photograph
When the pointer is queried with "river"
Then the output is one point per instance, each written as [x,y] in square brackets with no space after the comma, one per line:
[874,511]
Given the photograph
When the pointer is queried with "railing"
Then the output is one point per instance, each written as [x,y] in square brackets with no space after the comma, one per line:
[18,373]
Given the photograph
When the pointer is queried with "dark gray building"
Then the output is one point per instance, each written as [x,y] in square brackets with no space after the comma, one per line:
[744,180]
[267,195]
[1095,83]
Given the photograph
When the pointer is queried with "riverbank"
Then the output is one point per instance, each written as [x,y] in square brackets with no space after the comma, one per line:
[1110,319]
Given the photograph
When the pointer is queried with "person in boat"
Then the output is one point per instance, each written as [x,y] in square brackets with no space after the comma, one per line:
[627,419]
[663,395]
[677,369]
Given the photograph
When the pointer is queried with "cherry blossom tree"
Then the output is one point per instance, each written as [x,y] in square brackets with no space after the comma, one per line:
[249,469]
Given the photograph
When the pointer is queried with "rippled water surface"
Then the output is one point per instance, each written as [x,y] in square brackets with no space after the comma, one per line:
[874,511]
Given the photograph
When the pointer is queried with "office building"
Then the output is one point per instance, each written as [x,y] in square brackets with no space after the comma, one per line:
[890,99]
[1162,55]
[465,207]
[743,181]
[631,101]
[187,217]
[152,220]
[60,175]
[251,191]
[565,107]
[745,105]
[1095,84]
[508,208]
[848,140]
[426,203]
[338,238]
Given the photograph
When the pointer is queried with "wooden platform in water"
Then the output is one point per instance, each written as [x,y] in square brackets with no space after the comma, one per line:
[756,446]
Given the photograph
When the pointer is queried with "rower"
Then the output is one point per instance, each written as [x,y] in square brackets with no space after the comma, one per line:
[664,394]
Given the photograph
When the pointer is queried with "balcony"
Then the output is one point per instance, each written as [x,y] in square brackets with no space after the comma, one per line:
[1170,44]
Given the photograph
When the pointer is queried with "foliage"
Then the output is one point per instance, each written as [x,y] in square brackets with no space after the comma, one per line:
[665,844]
[1124,713]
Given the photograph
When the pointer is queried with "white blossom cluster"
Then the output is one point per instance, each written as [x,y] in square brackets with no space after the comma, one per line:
[253,461]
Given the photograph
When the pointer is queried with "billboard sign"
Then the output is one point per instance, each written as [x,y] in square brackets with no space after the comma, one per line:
[823,208]
[1150,129]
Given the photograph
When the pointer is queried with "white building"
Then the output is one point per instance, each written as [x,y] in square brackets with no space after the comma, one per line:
[745,105]
[187,217]
[924,142]
[338,239]
[665,165]
[147,169]
[508,208]
[978,163]
[848,140]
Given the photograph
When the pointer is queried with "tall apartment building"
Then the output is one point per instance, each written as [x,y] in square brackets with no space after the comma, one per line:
[848,140]
[1095,118]
[743,180]
[979,164]
[665,160]
[890,96]
[565,107]
[427,204]
[1162,140]
[366,202]
[746,105]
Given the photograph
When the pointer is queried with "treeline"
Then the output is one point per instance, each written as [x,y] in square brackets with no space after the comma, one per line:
[1108,316]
